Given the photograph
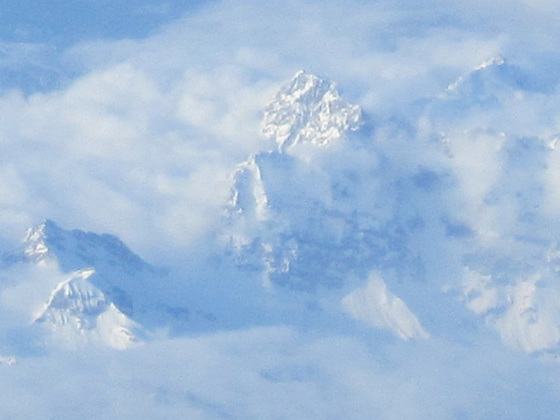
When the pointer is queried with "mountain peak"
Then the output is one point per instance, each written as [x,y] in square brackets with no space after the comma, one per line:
[80,312]
[309,109]
[77,249]
[37,239]
[493,79]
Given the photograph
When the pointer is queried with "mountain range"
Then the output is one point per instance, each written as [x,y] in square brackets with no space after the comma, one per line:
[360,228]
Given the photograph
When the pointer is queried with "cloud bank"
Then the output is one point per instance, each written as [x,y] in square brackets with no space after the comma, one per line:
[275,373]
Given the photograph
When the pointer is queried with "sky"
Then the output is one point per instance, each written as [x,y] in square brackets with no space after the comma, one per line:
[131,117]
[64,23]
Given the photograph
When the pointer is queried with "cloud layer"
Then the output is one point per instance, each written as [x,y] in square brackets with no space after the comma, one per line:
[274,373]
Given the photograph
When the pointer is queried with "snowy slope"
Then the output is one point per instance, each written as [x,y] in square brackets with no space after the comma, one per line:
[75,249]
[79,313]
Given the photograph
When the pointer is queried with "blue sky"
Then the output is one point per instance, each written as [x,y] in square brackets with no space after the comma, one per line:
[34,34]
[65,22]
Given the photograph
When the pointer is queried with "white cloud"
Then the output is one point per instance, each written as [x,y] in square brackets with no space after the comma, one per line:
[273,373]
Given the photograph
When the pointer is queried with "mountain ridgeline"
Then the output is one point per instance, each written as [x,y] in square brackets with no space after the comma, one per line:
[368,226]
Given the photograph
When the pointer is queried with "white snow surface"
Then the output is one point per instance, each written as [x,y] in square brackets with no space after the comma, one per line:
[79,314]
[309,110]
[377,306]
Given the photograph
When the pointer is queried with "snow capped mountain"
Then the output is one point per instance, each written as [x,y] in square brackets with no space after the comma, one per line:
[107,294]
[309,110]
[313,215]
[80,313]
[507,271]
[377,236]
[76,249]
[287,212]
[480,98]
[323,214]
[308,225]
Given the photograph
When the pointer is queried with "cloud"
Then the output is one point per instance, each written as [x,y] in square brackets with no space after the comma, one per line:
[277,373]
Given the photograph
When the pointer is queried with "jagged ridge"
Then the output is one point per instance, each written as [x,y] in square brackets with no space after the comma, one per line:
[309,110]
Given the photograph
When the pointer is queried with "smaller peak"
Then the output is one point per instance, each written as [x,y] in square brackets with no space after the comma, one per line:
[41,230]
[36,240]
[488,79]
[497,60]
[76,249]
